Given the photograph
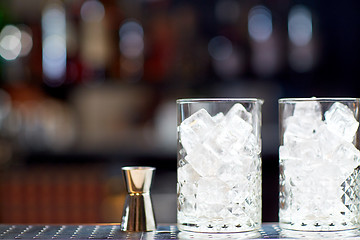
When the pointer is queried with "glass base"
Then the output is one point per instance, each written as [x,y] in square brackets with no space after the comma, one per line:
[221,235]
[317,226]
[341,234]
[217,228]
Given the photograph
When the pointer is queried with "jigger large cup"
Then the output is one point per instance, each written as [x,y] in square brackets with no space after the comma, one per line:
[138,214]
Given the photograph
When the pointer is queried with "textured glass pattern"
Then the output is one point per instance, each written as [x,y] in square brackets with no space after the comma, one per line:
[350,188]
[313,212]
[208,204]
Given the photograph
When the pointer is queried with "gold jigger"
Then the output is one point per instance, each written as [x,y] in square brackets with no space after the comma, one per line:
[138,213]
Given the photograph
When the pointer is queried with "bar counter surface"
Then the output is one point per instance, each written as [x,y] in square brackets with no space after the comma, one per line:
[164,231]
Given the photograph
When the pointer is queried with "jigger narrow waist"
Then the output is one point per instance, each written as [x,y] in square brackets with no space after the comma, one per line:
[138,193]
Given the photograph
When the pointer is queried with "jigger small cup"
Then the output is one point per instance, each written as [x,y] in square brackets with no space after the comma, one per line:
[138,213]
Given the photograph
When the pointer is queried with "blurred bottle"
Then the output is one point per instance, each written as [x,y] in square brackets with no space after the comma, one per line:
[302,44]
[95,47]
[75,66]
[6,146]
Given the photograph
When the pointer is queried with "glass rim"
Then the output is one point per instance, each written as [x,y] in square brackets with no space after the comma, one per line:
[321,99]
[204,100]
[138,168]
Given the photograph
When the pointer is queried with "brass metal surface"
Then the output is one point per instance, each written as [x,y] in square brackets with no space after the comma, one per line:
[138,213]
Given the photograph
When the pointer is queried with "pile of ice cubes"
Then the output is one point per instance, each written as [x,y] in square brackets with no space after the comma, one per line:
[219,176]
[320,164]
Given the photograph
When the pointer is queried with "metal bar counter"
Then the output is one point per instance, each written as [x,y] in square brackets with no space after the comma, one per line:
[112,231]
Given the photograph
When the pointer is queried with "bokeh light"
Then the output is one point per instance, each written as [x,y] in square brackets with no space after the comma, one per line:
[131,45]
[10,42]
[260,23]
[220,48]
[300,31]
[53,19]
[92,11]
[300,25]
[131,35]
[54,56]
[15,42]
[54,44]
[26,41]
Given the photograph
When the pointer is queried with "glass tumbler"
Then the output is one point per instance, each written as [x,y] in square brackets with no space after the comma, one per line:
[219,165]
[319,164]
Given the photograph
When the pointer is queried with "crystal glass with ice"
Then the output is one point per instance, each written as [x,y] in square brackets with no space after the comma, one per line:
[219,165]
[319,164]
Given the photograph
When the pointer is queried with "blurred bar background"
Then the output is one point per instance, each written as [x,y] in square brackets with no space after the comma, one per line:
[89,86]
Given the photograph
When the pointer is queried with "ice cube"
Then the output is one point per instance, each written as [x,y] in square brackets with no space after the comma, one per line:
[340,120]
[187,174]
[347,157]
[328,141]
[329,176]
[220,140]
[218,117]
[311,109]
[188,206]
[284,152]
[212,191]
[187,189]
[211,198]
[301,127]
[239,127]
[203,161]
[232,139]
[252,146]
[194,129]
[307,151]
[208,214]
[232,174]
[240,191]
[239,110]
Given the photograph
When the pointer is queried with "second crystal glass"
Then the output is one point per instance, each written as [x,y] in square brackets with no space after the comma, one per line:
[219,165]
[319,164]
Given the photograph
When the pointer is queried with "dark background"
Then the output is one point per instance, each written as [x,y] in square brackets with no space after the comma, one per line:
[108,98]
